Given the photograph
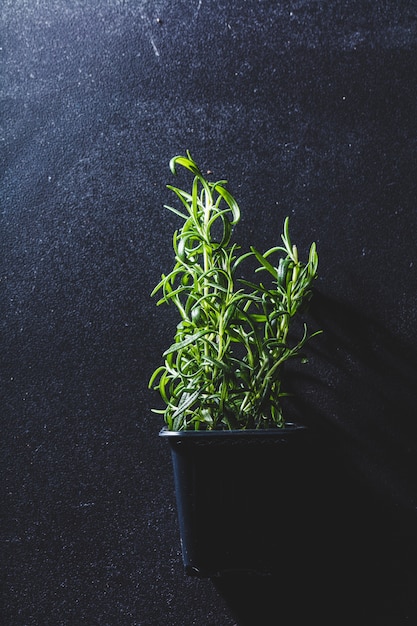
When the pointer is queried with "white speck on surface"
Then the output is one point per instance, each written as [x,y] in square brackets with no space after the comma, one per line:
[155,49]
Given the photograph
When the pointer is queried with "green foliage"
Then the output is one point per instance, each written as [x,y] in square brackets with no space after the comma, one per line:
[224,368]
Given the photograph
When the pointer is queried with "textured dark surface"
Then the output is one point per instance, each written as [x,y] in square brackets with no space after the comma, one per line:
[308,108]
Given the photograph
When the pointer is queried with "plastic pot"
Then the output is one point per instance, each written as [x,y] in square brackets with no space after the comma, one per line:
[247,500]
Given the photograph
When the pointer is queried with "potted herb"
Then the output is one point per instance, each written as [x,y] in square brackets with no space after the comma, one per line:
[222,383]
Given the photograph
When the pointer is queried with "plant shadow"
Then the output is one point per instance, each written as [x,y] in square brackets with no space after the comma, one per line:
[359,565]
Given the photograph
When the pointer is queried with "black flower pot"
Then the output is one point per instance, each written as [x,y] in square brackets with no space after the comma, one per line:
[249,501]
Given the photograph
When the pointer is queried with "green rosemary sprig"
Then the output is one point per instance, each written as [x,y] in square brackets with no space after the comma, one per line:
[224,369]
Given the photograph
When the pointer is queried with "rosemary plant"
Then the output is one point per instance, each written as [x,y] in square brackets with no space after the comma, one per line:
[224,369]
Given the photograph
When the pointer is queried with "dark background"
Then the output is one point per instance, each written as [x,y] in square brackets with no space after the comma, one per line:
[308,108]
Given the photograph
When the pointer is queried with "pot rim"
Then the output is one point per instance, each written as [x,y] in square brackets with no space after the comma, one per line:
[288,429]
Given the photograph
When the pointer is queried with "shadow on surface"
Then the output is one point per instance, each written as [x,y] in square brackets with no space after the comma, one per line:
[344,595]
[364,576]
[356,563]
